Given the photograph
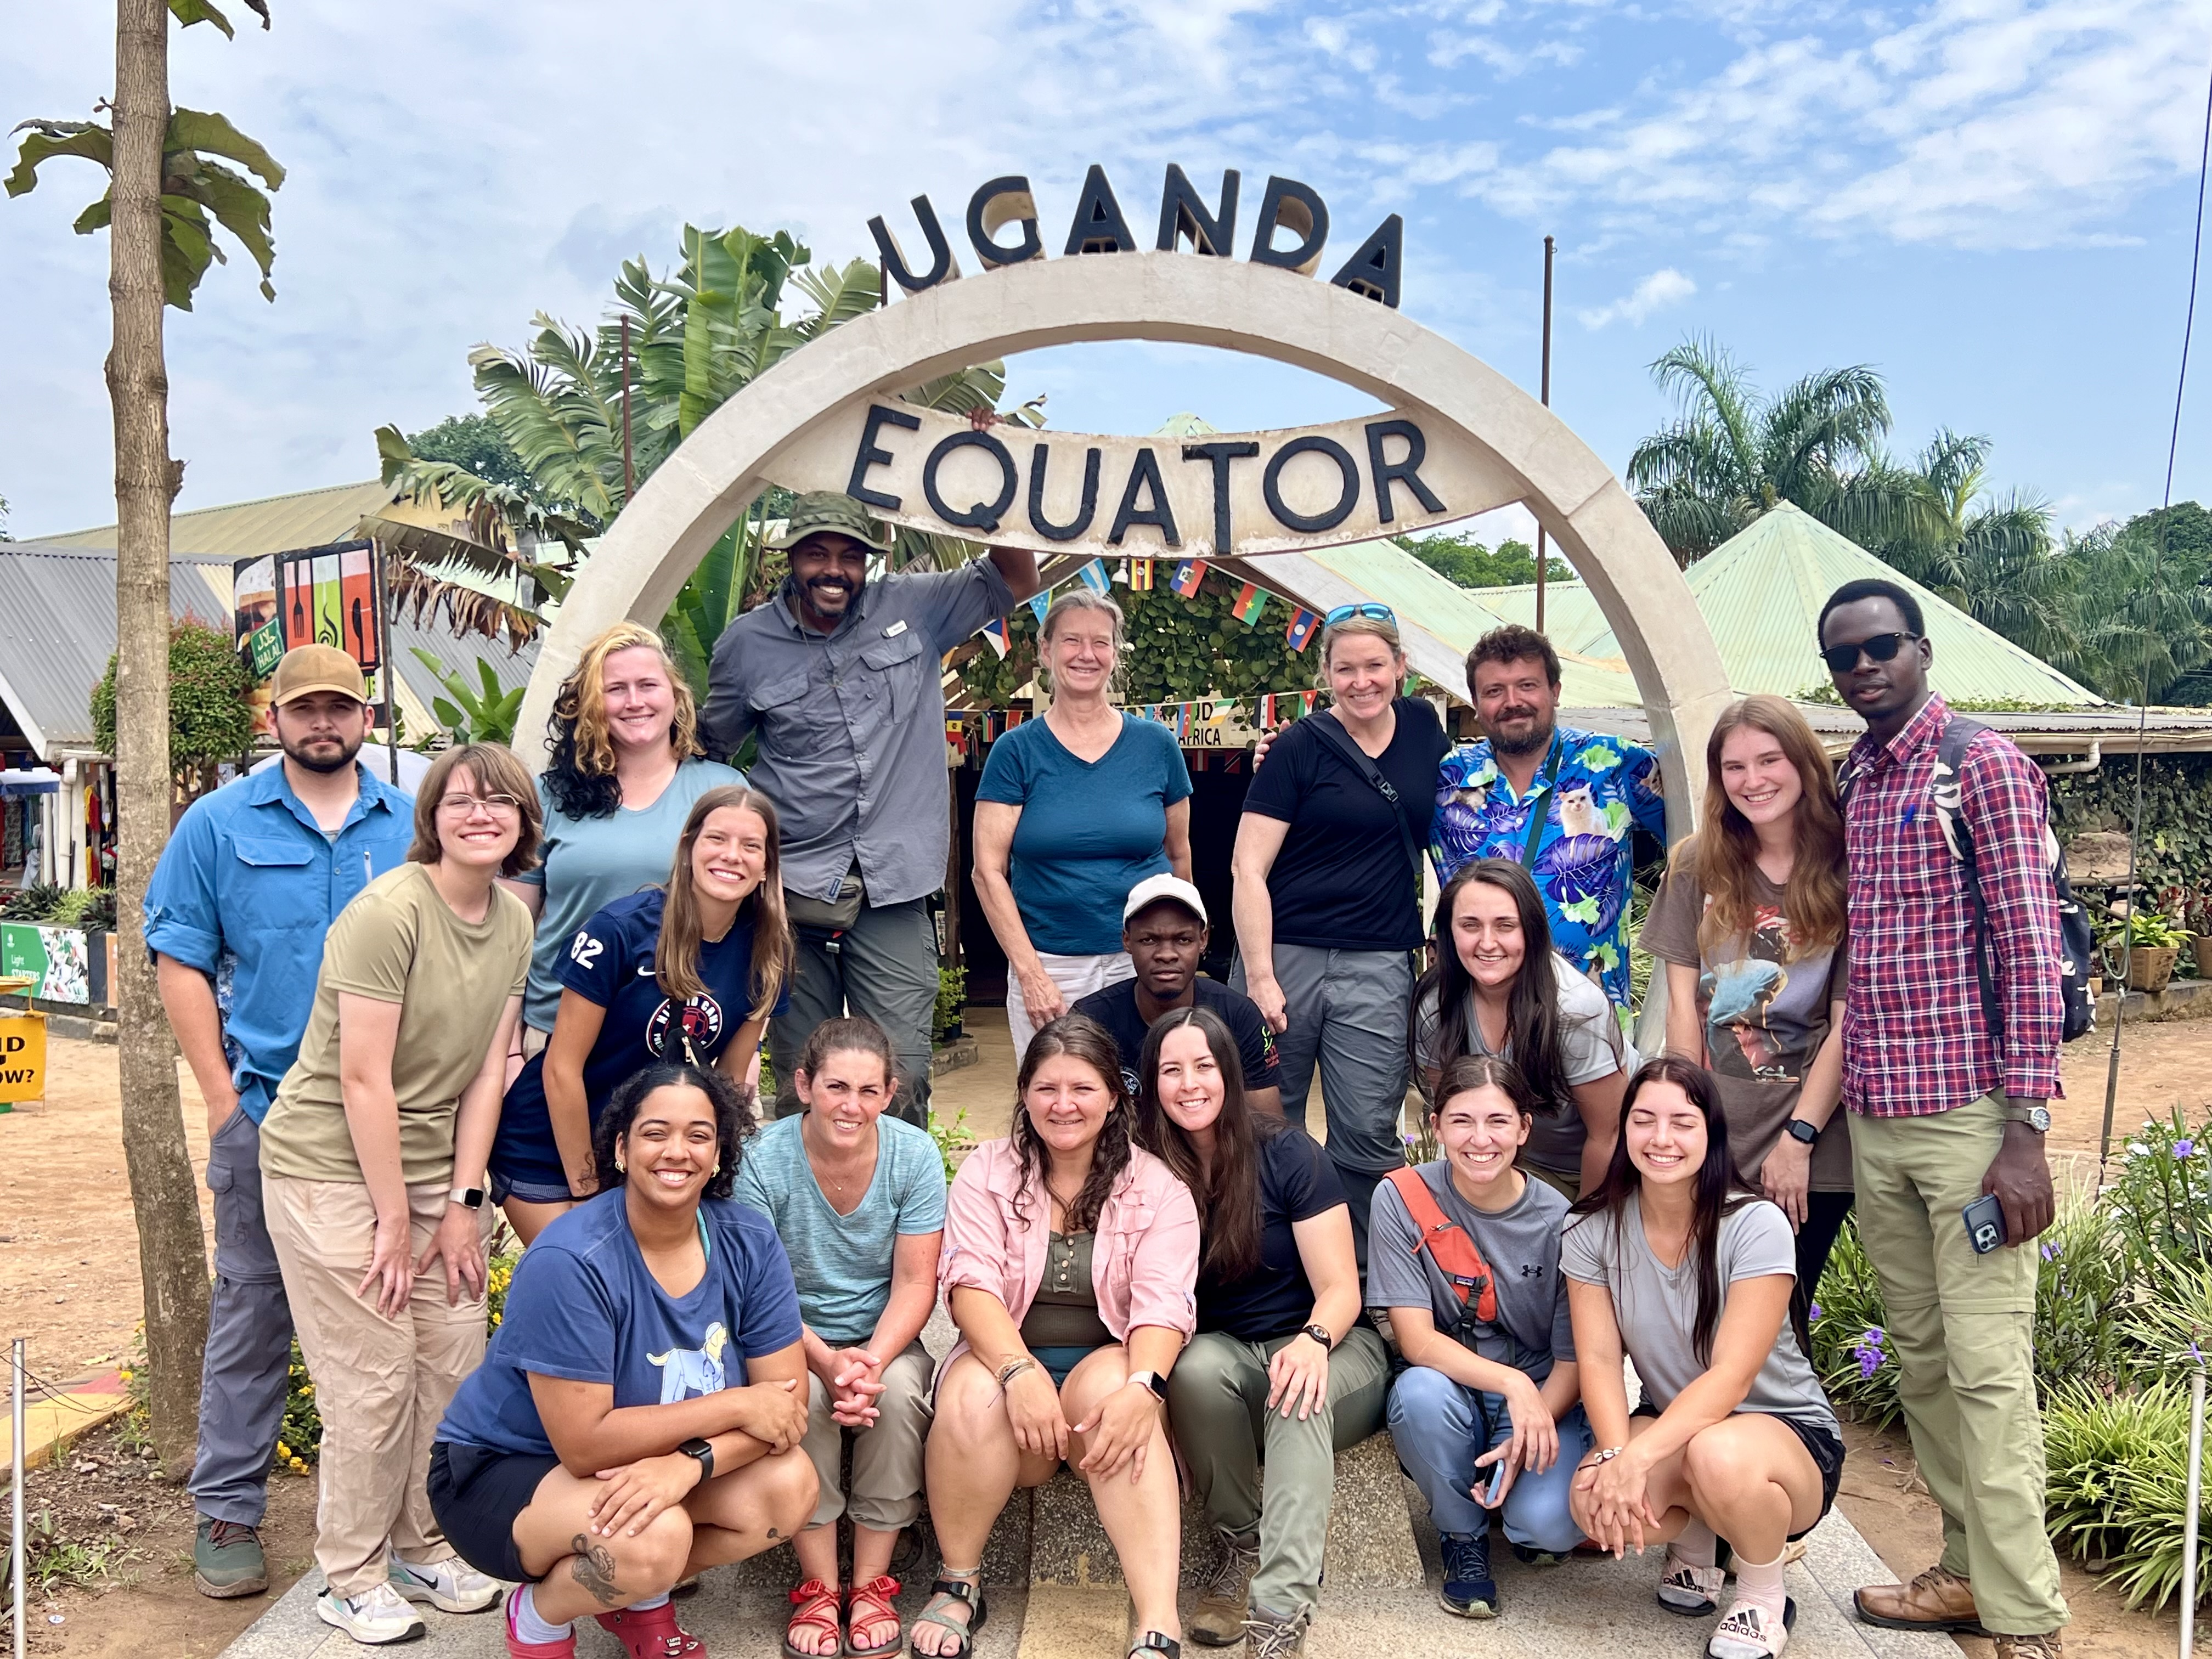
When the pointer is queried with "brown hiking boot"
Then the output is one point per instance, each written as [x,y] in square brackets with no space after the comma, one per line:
[1219,1620]
[2029,1647]
[1938,1599]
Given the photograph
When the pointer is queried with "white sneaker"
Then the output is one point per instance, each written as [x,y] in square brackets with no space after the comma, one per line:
[376,1617]
[451,1585]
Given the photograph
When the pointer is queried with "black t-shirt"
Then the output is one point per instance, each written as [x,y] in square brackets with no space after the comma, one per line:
[1343,881]
[1115,1008]
[1297,1184]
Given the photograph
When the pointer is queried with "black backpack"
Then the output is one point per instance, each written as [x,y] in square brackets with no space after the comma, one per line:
[2077,947]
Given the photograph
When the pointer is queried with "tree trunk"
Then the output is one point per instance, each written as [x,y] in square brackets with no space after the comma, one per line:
[172,1250]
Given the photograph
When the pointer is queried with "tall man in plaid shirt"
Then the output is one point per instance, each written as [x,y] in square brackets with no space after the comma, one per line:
[1944,1112]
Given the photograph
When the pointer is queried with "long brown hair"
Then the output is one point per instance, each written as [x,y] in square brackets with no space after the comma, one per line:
[580,774]
[1725,853]
[1079,1037]
[1229,1195]
[676,953]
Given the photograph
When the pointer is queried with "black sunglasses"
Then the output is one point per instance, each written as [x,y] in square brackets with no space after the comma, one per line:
[1842,658]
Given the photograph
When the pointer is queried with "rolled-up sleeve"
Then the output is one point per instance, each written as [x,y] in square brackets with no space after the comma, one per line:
[975,1253]
[2006,809]
[183,920]
[1163,1268]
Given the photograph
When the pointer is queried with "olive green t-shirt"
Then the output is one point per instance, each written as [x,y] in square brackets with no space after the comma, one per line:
[398,941]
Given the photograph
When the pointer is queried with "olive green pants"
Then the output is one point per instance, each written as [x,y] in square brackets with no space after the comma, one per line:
[1218,1412]
[1962,1327]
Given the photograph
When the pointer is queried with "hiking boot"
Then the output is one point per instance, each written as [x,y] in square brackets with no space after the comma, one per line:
[376,1616]
[1468,1589]
[2029,1647]
[1218,1620]
[1938,1599]
[1268,1638]
[451,1585]
[226,1560]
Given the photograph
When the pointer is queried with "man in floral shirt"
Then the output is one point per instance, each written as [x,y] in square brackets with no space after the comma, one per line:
[1590,790]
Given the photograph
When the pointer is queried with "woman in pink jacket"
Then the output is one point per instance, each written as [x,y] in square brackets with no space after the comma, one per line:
[1070,1257]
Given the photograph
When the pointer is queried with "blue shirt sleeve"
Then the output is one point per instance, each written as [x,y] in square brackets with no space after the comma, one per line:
[559,1321]
[768,1298]
[597,959]
[1647,796]
[1178,786]
[183,921]
[922,1206]
[1007,771]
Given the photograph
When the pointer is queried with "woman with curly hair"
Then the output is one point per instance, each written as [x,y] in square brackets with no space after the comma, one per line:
[1069,1259]
[638,1417]
[626,768]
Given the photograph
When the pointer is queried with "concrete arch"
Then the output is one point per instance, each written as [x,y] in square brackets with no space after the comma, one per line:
[698,492]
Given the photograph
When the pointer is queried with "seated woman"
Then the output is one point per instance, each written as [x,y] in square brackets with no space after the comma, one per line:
[1281,1372]
[604,1450]
[858,1199]
[1070,1257]
[691,972]
[1676,1261]
[1499,987]
[1465,1257]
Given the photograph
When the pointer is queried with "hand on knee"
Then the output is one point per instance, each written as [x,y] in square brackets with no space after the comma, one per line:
[618,1571]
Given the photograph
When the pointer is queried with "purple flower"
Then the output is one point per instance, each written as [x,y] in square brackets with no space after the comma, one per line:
[1812,1312]
[2184,1148]
[1875,1336]
[2050,1252]
[2195,1355]
[1869,1362]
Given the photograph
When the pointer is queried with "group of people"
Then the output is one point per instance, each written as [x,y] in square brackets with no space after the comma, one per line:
[549,996]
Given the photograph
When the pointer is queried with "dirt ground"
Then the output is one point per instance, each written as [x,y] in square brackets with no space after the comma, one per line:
[68,1281]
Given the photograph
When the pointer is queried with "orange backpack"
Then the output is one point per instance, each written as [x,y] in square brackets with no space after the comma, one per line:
[1450,1246]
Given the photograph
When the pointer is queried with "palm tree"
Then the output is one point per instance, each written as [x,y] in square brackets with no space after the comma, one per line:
[2141,618]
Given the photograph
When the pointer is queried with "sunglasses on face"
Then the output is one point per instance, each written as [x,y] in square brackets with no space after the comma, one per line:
[1882,647]
[1346,612]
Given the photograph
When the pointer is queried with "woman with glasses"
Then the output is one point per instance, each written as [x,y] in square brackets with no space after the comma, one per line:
[1327,897]
[691,972]
[373,1172]
[1074,811]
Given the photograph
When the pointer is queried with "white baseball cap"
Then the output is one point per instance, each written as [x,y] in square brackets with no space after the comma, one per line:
[1153,889]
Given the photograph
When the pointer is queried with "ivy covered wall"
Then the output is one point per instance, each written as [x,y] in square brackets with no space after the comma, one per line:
[2176,849]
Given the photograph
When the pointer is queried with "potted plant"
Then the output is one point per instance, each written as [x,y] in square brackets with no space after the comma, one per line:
[2149,943]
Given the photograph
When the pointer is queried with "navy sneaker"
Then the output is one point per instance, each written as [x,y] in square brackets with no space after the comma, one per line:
[1469,1590]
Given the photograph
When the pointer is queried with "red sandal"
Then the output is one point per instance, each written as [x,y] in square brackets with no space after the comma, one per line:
[817,1610]
[870,1604]
[651,1634]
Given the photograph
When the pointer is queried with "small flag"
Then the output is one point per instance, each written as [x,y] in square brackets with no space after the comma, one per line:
[1141,576]
[1301,629]
[1094,576]
[994,635]
[1040,603]
[1222,711]
[1306,701]
[1182,721]
[1267,709]
[1250,602]
[1014,717]
[1187,576]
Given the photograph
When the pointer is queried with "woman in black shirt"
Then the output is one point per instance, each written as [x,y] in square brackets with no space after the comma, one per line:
[1278,1299]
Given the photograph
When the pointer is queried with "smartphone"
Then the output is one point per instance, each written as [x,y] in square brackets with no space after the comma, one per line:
[1494,1493]
[1985,1224]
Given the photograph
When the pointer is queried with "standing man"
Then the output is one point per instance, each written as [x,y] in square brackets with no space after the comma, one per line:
[841,677]
[1945,1111]
[1559,802]
[235,916]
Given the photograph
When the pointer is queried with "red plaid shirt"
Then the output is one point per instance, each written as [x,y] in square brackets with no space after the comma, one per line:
[1915,1038]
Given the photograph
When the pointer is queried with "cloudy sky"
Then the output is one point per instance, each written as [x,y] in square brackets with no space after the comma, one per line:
[1990,200]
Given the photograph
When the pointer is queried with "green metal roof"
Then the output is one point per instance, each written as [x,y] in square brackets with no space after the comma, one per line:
[276,524]
[1761,591]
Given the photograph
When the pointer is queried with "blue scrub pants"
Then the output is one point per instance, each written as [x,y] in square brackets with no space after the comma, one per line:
[1440,1426]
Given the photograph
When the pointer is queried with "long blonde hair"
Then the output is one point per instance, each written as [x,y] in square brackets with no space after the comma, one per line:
[581,777]
[1726,849]
[675,953]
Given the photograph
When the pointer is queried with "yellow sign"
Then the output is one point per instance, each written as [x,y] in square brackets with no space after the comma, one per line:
[22,1057]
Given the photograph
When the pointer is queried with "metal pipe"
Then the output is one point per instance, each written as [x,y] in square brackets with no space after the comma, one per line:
[18,1555]
[2189,1524]
[2077,769]
[1549,246]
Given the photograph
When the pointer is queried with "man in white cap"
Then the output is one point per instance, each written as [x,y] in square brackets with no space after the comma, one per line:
[1164,929]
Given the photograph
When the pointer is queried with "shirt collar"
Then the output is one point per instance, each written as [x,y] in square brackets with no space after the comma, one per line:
[274,788]
[1922,730]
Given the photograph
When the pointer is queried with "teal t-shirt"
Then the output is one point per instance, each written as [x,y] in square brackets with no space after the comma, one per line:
[844,1262]
[587,864]
[1090,830]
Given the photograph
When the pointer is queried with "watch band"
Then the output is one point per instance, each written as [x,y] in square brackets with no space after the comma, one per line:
[2037,1118]
[1154,1382]
[703,1452]
[469,1198]
[1320,1333]
[1799,1130]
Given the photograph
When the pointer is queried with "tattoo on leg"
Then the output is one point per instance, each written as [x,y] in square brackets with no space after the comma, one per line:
[594,1570]
[774,1535]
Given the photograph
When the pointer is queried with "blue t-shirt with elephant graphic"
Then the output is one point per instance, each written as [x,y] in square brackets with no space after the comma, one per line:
[585,1307]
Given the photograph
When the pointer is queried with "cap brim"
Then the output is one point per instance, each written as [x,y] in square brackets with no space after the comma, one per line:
[787,540]
[293,694]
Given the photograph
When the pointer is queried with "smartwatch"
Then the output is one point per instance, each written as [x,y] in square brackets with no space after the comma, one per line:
[469,1198]
[703,1454]
[1153,1381]
[1799,1130]
[1320,1334]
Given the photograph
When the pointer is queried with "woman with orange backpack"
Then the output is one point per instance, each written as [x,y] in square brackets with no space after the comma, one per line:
[1464,1255]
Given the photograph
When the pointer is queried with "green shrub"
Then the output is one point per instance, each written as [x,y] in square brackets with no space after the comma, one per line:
[951,1000]
[1850,1347]
[2119,1484]
[2160,1202]
[34,903]
[953,1140]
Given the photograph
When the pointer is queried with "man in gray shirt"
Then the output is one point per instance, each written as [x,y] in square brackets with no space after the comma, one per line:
[840,678]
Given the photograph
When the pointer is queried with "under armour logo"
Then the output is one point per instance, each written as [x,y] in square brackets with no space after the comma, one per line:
[1531,1270]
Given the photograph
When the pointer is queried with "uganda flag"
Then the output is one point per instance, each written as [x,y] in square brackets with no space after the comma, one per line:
[1141,576]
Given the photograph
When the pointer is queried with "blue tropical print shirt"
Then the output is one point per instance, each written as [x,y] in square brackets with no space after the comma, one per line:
[1601,789]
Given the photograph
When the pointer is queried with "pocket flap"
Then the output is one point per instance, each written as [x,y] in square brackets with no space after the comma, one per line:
[789,689]
[263,851]
[889,653]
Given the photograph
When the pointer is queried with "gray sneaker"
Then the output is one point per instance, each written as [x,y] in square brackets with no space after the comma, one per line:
[1267,1637]
[227,1560]
[1218,1621]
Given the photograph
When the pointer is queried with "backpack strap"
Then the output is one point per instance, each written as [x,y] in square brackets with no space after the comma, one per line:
[1946,795]
[1448,1244]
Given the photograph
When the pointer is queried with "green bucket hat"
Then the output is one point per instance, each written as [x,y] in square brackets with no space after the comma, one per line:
[828,512]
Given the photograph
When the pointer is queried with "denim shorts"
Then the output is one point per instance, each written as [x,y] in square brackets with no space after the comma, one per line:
[530,1192]
[1058,1362]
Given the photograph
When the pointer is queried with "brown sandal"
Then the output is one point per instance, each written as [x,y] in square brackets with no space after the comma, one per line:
[815,1608]
[871,1604]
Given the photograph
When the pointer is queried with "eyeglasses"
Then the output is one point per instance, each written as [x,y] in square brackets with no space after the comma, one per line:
[464,806]
[1842,658]
[1346,612]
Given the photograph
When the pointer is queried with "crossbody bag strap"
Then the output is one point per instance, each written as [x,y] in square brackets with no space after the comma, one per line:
[1540,807]
[1959,734]
[1333,733]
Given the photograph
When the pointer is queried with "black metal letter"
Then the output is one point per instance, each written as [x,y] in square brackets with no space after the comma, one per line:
[1145,470]
[1044,526]
[868,455]
[1271,483]
[1220,454]
[1013,190]
[983,515]
[1183,214]
[1099,227]
[1300,208]
[941,263]
[1407,472]
[1372,273]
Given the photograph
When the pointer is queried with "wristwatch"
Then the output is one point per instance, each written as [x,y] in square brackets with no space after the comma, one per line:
[2037,1118]
[1320,1334]
[703,1452]
[469,1198]
[1153,1381]
[1799,1130]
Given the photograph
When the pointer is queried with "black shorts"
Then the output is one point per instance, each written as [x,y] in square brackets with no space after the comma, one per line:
[475,1493]
[1821,1444]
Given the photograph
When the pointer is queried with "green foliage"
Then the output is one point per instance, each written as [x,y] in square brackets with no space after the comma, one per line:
[92,908]
[210,720]
[1850,1348]
[479,713]
[2174,852]
[731,579]
[951,1000]
[1466,563]
[36,903]
[2160,1202]
[2119,1484]
[953,1141]
[471,441]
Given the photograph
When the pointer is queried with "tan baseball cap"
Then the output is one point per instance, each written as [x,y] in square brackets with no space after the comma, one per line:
[308,668]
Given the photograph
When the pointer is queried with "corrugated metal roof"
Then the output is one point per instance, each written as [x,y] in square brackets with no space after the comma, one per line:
[2110,729]
[276,524]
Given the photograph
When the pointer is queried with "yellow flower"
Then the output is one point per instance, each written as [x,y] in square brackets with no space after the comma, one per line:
[283,1451]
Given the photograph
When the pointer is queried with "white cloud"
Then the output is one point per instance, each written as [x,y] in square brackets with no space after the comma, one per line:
[1656,292]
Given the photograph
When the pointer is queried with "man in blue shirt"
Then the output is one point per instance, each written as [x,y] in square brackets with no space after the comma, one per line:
[1560,801]
[246,888]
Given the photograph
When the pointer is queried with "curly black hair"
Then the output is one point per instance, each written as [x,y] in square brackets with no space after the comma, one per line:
[733,1118]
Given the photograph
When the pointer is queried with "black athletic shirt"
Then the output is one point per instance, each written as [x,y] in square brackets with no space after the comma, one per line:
[1296,1183]
[1115,1008]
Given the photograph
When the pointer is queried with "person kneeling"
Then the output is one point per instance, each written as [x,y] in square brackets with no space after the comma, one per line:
[1465,1255]
[1070,1255]
[601,1454]
[1675,1259]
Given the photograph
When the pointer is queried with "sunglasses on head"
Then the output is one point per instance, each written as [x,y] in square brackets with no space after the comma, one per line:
[1842,658]
[1346,612]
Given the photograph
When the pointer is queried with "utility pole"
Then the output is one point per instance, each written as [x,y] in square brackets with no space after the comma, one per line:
[1541,561]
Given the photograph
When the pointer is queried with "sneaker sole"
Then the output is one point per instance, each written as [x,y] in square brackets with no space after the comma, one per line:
[415,1634]
[229,1592]
[1467,1610]
[1206,1639]
[423,1596]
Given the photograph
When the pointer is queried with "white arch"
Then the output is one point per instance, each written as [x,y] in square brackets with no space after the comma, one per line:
[698,492]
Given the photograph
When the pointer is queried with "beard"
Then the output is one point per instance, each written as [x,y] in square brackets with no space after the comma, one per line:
[1540,737]
[299,755]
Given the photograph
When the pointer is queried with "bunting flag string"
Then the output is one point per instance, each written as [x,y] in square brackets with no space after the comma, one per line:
[1140,574]
[1039,603]
[1301,629]
[1187,576]
[1250,601]
[1094,576]
[994,635]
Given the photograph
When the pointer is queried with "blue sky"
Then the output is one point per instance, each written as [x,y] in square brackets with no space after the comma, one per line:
[1990,200]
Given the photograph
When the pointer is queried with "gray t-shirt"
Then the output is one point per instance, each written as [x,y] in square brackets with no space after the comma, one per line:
[1656,1306]
[1589,1039]
[1519,1242]
[843,1263]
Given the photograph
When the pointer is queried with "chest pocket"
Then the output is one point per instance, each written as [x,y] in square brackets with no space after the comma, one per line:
[272,884]
[794,712]
[893,674]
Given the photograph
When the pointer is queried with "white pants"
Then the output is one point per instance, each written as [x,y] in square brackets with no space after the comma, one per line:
[1077,977]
